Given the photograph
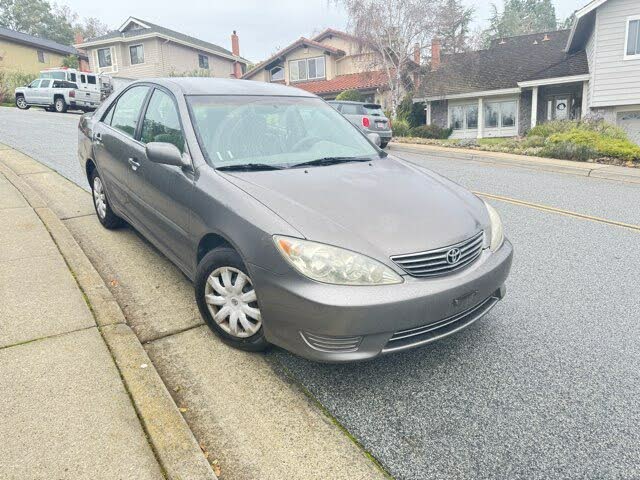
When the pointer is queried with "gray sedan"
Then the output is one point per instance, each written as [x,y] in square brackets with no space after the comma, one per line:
[294,227]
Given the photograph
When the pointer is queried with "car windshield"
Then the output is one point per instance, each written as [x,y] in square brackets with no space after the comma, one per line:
[56,75]
[274,131]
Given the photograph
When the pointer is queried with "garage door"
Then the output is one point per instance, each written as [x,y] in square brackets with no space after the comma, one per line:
[630,122]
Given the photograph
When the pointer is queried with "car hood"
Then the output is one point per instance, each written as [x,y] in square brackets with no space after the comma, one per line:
[383,208]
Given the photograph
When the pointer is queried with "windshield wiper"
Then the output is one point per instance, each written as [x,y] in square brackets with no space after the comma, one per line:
[321,162]
[248,167]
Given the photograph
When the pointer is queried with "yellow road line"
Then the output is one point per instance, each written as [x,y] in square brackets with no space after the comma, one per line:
[559,211]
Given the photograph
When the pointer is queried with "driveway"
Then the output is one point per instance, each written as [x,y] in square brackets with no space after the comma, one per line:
[545,386]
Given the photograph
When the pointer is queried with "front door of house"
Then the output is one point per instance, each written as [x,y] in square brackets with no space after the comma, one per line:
[559,107]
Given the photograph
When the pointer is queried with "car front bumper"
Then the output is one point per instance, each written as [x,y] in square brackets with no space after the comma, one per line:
[334,323]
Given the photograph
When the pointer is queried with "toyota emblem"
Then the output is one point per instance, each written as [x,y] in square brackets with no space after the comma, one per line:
[453,256]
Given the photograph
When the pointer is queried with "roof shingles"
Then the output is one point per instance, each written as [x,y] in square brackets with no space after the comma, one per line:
[358,81]
[504,64]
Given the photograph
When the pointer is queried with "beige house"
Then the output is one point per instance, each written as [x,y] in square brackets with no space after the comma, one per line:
[326,65]
[140,49]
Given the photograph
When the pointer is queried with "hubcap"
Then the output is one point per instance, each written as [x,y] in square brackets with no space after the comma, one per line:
[22,103]
[99,197]
[232,302]
[59,105]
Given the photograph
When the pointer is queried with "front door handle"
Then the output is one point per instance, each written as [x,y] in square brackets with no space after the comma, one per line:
[134,164]
[98,137]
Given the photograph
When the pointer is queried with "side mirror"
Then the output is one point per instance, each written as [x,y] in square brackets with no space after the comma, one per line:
[374,138]
[165,153]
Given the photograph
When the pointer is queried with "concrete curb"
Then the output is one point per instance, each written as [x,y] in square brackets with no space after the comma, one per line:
[171,438]
[596,170]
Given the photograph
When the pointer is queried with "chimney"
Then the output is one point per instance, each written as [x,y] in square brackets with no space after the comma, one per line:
[235,49]
[436,47]
[416,53]
[235,44]
[77,40]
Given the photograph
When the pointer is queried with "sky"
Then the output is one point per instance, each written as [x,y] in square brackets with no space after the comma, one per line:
[264,26]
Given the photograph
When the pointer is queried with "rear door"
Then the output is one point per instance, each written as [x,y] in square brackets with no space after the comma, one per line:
[164,192]
[353,112]
[45,95]
[115,146]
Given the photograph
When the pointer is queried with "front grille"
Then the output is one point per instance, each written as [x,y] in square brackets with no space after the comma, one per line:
[413,337]
[325,343]
[434,263]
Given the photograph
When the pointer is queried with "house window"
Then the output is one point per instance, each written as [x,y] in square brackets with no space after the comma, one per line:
[500,114]
[104,57]
[307,69]
[136,52]
[277,74]
[464,117]
[40,56]
[203,61]
[632,48]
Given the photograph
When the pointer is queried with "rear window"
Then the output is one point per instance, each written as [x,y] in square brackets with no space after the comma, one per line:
[351,109]
[374,110]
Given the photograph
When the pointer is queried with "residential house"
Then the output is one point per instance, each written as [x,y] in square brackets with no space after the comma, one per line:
[518,82]
[28,54]
[326,65]
[141,49]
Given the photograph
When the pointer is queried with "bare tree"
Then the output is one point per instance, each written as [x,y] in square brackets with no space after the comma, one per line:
[392,29]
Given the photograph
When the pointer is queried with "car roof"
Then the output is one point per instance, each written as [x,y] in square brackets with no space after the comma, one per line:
[349,102]
[224,86]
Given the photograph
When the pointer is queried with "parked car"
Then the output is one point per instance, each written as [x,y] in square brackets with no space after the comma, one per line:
[295,229]
[368,117]
[58,95]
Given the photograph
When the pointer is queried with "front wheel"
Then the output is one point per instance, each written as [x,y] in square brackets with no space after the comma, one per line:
[107,218]
[383,145]
[21,103]
[227,300]
[60,105]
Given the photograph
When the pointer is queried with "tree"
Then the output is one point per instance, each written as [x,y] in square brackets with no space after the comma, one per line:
[71,62]
[350,96]
[53,22]
[453,26]
[521,17]
[568,22]
[391,29]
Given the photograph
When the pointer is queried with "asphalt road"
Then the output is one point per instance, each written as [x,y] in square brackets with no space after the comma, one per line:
[545,386]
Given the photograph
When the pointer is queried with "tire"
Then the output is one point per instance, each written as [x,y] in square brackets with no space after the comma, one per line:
[384,145]
[60,105]
[227,259]
[107,218]
[21,103]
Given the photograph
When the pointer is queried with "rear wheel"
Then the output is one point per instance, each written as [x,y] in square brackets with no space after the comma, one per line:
[60,105]
[21,103]
[107,218]
[227,300]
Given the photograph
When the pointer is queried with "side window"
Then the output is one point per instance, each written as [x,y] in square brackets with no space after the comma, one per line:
[57,84]
[127,110]
[351,109]
[161,122]
[91,80]
[72,77]
[45,84]
[34,84]
[83,79]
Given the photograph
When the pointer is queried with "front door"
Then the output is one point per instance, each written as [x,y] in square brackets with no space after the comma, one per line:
[559,107]
[114,144]
[31,92]
[164,192]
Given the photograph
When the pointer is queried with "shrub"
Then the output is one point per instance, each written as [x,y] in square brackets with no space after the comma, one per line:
[350,96]
[600,144]
[568,151]
[401,128]
[9,81]
[533,142]
[550,128]
[431,131]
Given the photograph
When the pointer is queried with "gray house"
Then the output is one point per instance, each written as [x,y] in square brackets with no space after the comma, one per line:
[592,69]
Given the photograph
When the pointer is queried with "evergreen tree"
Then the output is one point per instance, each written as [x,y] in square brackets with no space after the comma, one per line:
[453,26]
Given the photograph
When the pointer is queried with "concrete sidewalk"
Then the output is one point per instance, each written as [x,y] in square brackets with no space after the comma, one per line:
[79,396]
[65,411]
[584,169]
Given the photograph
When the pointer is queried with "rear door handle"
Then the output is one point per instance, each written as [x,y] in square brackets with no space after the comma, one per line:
[134,164]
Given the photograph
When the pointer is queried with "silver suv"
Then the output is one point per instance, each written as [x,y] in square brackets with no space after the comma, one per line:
[369,117]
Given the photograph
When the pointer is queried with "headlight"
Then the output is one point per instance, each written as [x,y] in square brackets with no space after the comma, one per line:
[497,234]
[328,264]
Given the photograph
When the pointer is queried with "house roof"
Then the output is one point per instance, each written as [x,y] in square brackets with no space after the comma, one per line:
[583,25]
[353,81]
[302,41]
[149,28]
[332,32]
[506,63]
[38,42]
